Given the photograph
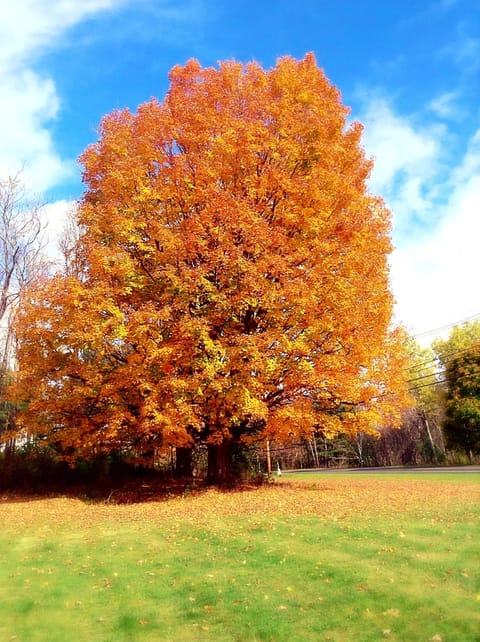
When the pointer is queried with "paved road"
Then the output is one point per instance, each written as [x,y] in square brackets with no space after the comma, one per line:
[390,469]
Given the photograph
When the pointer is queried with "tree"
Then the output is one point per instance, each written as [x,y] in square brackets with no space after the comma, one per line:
[420,438]
[20,262]
[460,359]
[69,245]
[20,246]
[236,285]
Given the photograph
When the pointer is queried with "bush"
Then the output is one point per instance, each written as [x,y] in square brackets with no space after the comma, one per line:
[460,458]
[37,468]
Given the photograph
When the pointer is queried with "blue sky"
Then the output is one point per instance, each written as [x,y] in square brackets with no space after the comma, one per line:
[410,71]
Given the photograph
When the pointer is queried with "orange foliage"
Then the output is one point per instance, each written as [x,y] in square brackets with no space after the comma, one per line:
[236,274]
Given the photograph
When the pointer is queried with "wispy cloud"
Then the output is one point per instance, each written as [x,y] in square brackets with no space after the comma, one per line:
[30,102]
[29,26]
[446,106]
[435,209]
[442,267]
[463,49]
[407,161]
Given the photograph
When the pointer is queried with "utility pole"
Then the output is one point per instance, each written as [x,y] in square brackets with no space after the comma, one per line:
[269,461]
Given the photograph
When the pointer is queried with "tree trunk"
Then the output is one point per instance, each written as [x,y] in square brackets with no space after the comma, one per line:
[220,463]
[429,435]
[10,447]
[269,460]
[183,462]
[317,459]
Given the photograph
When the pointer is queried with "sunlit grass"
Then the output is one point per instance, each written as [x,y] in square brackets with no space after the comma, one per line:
[450,477]
[304,562]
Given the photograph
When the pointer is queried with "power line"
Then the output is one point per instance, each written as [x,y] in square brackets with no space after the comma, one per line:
[445,357]
[469,375]
[474,316]
[437,373]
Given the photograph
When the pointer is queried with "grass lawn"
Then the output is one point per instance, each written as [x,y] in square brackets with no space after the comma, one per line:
[341,558]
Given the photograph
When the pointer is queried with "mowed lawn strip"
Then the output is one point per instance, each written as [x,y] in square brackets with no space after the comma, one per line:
[324,558]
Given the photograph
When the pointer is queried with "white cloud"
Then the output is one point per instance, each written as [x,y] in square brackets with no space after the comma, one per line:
[29,100]
[470,165]
[397,145]
[435,213]
[406,159]
[444,106]
[27,26]
[466,51]
[435,279]
[28,105]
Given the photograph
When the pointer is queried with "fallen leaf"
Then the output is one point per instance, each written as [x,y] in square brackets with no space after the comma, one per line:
[392,612]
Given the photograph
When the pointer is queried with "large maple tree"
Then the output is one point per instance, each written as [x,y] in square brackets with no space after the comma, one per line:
[235,280]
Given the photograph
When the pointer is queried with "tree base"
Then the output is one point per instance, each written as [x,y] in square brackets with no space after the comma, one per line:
[220,470]
[183,463]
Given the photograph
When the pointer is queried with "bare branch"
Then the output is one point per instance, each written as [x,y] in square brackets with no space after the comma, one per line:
[20,249]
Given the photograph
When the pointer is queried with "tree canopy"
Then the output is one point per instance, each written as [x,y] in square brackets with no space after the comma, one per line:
[232,279]
[459,355]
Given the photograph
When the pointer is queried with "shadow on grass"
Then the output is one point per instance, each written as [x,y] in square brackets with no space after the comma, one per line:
[127,492]
[130,488]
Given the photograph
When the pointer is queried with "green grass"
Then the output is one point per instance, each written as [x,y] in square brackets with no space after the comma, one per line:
[131,573]
[450,477]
